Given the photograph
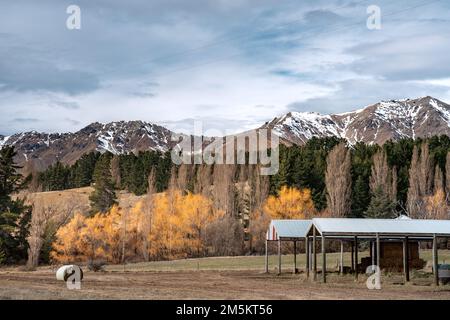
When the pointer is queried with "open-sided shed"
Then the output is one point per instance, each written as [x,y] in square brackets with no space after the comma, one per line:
[286,230]
[352,230]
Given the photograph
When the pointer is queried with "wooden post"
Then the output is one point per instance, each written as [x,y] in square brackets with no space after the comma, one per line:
[310,255]
[372,251]
[295,257]
[435,261]
[378,253]
[341,265]
[267,258]
[314,256]
[279,256]
[353,256]
[324,261]
[406,259]
[307,255]
[356,258]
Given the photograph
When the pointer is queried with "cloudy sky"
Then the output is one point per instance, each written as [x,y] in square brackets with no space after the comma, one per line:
[232,63]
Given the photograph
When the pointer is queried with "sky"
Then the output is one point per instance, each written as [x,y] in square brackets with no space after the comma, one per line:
[232,64]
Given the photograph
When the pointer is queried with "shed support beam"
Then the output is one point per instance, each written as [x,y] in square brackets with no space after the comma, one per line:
[307,256]
[378,253]
[314,255]
[372,252]
[310,254]
[295,257]
[341,263]
[267,258]
[279,256]
[352,256]
[406,259]
[356,258]
[324,261]
[435,261]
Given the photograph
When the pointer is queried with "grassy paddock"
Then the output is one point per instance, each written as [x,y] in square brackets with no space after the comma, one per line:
[253,262]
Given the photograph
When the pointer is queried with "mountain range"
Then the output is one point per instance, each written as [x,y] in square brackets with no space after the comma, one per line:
[374,124]
[377,123]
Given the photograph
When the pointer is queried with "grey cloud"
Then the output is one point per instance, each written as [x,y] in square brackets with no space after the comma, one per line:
[208,124]
[40,76]
[404,58]
[71,105]
[26,120]
[144,89]
[355,94]
[72,121]
[141,94]
[322,17]
[120,42]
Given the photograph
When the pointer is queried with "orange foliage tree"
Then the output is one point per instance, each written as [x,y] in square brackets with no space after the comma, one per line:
[92,239]
[176,229]
[291,203]
[67,245]
[436,206]
[196,213]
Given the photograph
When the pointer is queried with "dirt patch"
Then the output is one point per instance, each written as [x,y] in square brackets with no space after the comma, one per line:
[42,284]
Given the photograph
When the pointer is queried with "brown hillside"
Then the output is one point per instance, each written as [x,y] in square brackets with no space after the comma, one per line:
[78,198]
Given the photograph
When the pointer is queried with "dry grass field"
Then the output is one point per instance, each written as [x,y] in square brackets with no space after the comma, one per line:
[213,278]
[79,198]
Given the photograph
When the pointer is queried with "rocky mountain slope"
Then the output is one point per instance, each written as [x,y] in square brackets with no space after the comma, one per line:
[39,150]
[377,123]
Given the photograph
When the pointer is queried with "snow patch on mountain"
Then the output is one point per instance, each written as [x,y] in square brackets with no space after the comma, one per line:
[3,141]
[445,112]
[305,125]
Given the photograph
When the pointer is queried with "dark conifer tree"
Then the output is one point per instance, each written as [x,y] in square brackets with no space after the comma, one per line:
[104,196]
[14,215]
[381,206]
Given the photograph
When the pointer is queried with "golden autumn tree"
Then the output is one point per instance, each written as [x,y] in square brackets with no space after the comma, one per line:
[112,234]
[100,237]
[66,247]
[175,228]
[168,241]
[291,203]
[92,238]
[436,206]
[195,214]
[259,223]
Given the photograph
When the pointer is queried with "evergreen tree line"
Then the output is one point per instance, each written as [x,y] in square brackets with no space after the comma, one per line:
[355,181]
[129,172]
[405,177]
[382,181]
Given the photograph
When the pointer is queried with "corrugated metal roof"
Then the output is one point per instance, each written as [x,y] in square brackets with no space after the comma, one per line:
[288,229]
[345,226]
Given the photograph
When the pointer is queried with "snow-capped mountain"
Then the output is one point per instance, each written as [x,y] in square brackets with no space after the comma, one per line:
[299,127]
[377,123]
[39,150]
